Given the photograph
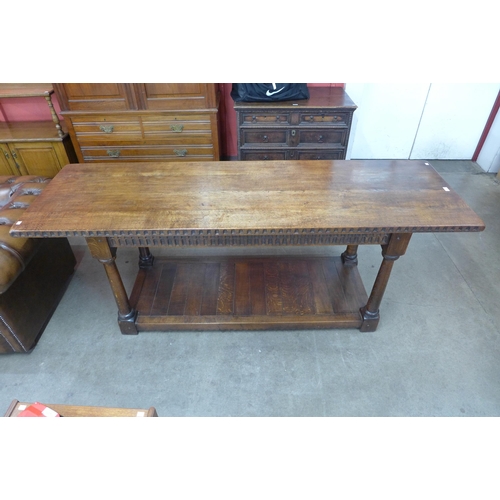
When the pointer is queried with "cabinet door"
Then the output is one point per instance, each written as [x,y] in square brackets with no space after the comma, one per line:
[7,165]
[38,158]
[95,96]
[179,96]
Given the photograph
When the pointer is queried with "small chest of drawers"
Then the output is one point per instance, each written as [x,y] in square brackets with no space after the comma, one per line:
[311,129]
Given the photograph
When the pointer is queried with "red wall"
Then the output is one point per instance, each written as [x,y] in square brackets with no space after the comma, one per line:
[24,109]
[37,109]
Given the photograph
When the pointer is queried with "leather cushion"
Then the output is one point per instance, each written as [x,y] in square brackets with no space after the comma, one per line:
[16,195]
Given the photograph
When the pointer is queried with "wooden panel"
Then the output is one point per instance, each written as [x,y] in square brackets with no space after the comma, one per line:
[164,96]
[257,291]
[95,96]
[7,165]
[38,158]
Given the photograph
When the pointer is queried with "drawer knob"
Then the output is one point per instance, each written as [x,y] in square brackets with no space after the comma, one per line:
[293,133]
[265,138]
[180,152]
[266,157]
[176,128]
[114,153]
[107,129]
[320,138]
[254,118]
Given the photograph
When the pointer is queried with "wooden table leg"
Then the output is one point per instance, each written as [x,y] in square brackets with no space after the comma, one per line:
[146,258]
[100,250]
[350,256]
[396,247]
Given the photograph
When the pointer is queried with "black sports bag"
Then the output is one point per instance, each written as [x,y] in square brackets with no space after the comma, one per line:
[264,92]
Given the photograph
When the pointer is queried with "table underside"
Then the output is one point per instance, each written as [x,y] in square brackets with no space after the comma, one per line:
[250,293]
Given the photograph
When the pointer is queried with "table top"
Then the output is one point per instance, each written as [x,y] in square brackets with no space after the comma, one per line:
[102,199]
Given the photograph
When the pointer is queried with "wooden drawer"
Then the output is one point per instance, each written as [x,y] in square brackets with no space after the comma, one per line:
[264,118]
[265,136]
[148,153]
[292,154]
[321,136]
[263,155]
[158,126]
[89,129]
[338,154]
[325,117]
[336,137]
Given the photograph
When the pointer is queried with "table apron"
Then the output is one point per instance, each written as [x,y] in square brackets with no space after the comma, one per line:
[194,239]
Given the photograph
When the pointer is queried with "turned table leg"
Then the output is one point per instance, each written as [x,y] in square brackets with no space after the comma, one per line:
[396,247]
[350,256]
[100,250]
[146,258]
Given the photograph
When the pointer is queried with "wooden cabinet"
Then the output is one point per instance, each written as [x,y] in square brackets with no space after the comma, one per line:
[33,148]
[311,129]
[142,121]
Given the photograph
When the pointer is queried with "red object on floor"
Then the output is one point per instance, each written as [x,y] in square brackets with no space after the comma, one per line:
[38,410]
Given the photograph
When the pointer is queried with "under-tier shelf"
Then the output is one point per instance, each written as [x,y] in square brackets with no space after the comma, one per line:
[248,293]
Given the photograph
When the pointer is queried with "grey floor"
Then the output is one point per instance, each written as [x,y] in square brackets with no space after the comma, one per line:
[436,351]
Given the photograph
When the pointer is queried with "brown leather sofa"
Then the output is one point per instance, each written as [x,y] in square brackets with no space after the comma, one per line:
[34,273]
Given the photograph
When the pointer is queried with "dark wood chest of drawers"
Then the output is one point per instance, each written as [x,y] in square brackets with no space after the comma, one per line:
[314,129]
[141,121]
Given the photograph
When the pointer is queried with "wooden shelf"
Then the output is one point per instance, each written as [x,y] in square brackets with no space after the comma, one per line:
[12,90]
[29,132]
[248,293]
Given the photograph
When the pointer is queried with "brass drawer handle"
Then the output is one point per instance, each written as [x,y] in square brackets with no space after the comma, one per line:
[114,153]
[180,152]
[176,128]
[107,129]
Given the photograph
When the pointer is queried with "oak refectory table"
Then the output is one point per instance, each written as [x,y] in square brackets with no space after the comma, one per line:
[243,204]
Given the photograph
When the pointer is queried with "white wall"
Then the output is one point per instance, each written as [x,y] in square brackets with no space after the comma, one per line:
[387,118]
[418,121]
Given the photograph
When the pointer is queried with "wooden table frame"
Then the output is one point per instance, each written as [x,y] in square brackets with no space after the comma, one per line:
[300,203]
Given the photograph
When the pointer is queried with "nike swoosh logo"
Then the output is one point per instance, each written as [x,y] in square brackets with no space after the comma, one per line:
[275,92]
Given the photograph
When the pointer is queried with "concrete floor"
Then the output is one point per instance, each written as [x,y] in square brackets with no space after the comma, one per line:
[436,351]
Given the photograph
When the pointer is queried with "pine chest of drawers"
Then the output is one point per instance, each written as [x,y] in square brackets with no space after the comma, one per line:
[311,129]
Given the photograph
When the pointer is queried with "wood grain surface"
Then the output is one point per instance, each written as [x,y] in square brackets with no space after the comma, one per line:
[355,195]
